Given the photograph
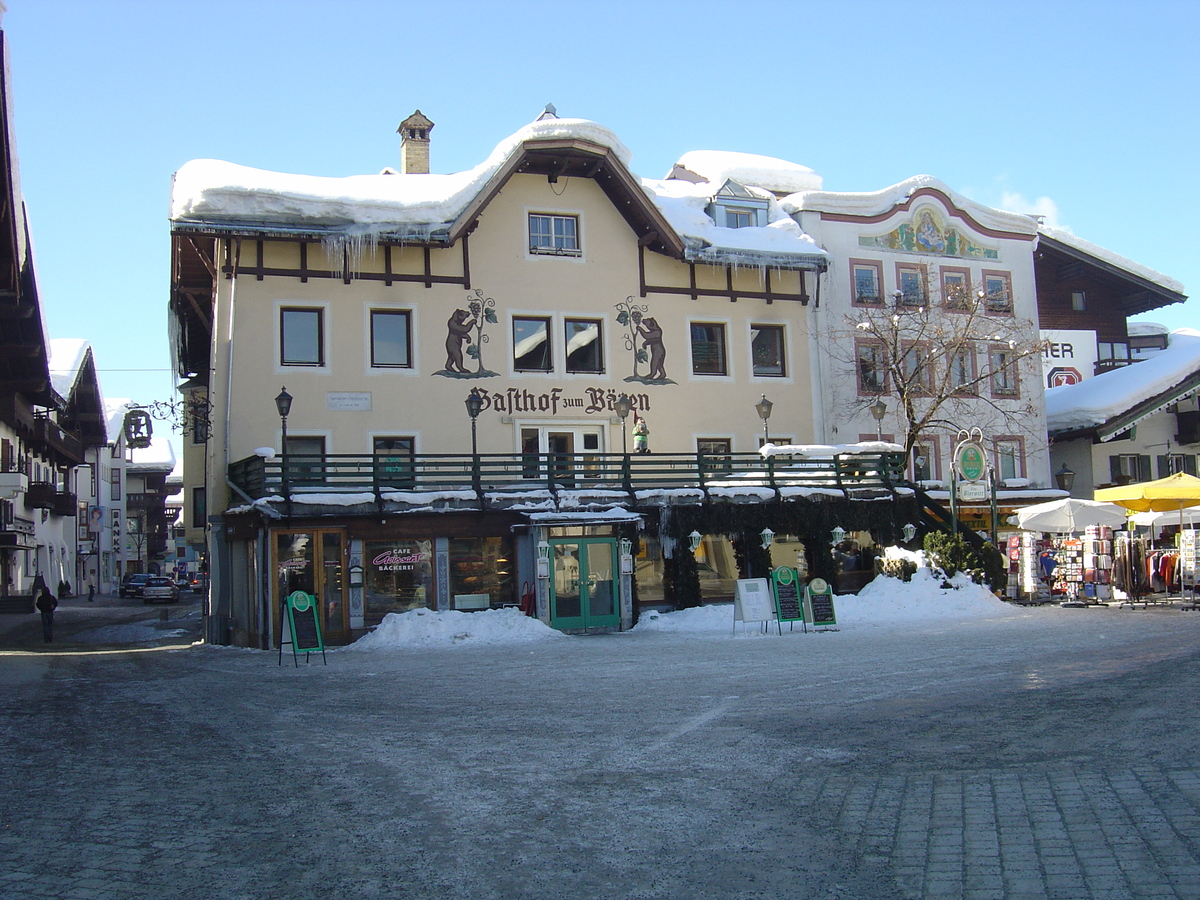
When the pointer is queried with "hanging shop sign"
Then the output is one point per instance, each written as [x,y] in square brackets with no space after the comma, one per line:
[970,461]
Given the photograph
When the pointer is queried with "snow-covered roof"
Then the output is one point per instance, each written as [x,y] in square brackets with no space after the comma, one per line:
[876,203]
[1112,259]
[114,412]
[425,207]
[1145,329]
[67,356]
[1113,401]
[158,457]
[776,175]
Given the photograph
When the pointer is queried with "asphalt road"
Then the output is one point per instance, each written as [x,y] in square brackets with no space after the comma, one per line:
[1050,755]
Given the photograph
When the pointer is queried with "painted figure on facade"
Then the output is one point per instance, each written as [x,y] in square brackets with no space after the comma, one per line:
[651,334]
[458,329]
[641,434]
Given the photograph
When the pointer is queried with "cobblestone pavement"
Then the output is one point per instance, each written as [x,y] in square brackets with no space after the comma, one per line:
[1050,755]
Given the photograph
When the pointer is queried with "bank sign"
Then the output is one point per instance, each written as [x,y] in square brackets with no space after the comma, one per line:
[1068,358]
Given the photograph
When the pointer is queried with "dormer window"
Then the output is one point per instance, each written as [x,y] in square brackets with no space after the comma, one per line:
[733,206]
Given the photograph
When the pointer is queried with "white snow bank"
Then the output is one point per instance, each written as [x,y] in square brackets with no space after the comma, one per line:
[427,628]
[1103,397]
[750,169]
[884,603]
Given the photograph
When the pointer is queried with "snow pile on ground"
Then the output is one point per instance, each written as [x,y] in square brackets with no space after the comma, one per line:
[885,602]
[427,628]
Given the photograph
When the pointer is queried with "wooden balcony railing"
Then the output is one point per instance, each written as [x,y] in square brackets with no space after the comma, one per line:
[509,473]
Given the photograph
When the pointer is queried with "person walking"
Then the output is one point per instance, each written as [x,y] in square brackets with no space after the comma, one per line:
[47,604]
[91,591]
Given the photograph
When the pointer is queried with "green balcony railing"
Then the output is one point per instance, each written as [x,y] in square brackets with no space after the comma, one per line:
[510,473]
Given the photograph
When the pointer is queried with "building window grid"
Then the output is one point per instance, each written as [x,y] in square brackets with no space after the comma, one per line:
[997,288]
[956,288]
[917,367]
[708,349]
[1009,457]
[914,289]
[301,336]
[1002,372]
[532,351]
[554,234]
[583,339]
[963,376]
[391,339]
[871,357]
[767,351]
[866,277]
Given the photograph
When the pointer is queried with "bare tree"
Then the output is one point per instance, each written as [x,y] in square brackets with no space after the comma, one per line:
[959,363]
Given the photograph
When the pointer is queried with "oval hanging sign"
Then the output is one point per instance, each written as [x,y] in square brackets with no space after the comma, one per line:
[970,460]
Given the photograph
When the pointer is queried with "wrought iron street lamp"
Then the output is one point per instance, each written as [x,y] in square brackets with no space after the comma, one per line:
[764,412]
[879,410]
[474,404]
[1065,478]
[623,406]
[283,405]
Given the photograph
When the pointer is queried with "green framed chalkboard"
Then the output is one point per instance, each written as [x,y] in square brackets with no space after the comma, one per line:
[304,626]
[818,602]
[785,585]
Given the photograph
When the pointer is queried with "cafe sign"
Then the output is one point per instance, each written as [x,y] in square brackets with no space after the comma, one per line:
[970,461]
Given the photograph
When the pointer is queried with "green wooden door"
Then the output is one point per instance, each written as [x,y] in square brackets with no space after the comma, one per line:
[583,586]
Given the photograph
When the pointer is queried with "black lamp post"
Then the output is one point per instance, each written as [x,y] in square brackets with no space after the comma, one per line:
[1065,478]
[474,407]
[879,410]
[283,403]
[623,407]
[764,412]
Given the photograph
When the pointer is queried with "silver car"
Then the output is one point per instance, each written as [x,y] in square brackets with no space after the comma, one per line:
[158,588]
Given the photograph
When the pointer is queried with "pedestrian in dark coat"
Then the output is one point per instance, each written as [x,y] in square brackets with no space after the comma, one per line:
[46,605]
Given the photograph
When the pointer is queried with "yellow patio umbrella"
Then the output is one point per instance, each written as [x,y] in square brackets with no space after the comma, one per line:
[1176,491]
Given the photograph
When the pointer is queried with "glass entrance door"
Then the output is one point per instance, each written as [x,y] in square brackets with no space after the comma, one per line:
[571,452]
[312,561]
[583,592]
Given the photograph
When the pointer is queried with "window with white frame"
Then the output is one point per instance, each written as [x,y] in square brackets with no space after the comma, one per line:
[1002,372]
[962,370]
[304,457]
[868,281]
[394,461]
[872,367]
[531,344]
[585,350]
[913,291]
[708,349]
[997,287]
[917,367]
[715,453]
[1010,461]
[391,338]
[924,460]
[301,336]
[766,351]
[554,234]
[956,288]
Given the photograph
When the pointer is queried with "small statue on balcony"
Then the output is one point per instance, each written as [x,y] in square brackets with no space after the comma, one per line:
[641,434]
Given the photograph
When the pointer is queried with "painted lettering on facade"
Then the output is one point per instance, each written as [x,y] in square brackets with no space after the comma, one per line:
[553,401]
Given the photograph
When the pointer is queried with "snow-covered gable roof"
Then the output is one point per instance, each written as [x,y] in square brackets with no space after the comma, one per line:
[1115,260]
[67,356]
[432,207]
[158,457]
[778,176]
[1114,401]
[881,203]
[114,411]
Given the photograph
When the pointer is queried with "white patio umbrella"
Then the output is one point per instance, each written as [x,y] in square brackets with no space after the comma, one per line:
[1069,515]
[1191,517]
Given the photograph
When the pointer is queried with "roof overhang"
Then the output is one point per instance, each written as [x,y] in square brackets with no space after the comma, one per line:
[1144,295]
[1119,424]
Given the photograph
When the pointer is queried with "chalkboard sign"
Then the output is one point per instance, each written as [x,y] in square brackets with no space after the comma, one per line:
[787,594]
[818,602]
[304,628]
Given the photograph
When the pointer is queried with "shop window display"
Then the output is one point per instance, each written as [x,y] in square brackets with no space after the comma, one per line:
[481,573]
[398,577]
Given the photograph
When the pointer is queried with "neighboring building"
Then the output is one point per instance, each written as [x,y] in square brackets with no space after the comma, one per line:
[1132,423]
[544,286]
[1086,295]
[147,543]
[935,291]
[45,422]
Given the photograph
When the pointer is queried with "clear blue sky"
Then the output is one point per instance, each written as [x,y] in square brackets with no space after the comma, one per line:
[1089,109]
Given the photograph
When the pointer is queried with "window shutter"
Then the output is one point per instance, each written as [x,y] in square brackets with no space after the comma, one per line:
[1114,468]
[1189,463]
[1164,466]
[1144,473]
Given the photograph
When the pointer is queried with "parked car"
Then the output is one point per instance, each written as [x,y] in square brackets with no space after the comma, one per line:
[131,585]
[159,588]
